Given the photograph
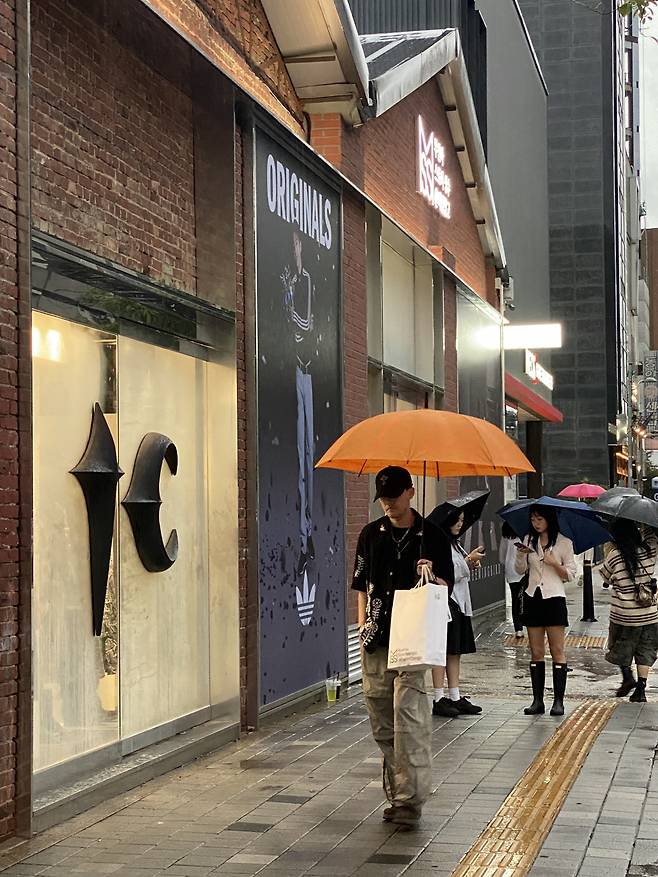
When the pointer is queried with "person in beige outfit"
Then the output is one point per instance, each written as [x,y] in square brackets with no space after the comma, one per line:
[546,557]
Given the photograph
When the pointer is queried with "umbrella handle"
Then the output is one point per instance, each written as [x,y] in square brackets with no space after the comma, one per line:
[422,538]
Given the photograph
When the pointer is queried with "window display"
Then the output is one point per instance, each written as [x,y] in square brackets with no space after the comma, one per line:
[135,614]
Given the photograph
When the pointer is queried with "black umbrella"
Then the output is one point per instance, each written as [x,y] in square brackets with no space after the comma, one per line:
[627,503]
[471,503]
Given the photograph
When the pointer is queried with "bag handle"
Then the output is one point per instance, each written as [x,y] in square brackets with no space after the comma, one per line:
[426,576]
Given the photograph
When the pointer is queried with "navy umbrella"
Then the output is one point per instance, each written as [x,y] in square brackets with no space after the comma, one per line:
[627,503]
[471,503]
[576,521]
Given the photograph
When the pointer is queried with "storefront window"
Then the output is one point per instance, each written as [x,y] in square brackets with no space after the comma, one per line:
[164,616]
[168,654]
[408,314]
[512,421]
[75,673]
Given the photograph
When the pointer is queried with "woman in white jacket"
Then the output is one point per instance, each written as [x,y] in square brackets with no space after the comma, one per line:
[547,558]
[507,557]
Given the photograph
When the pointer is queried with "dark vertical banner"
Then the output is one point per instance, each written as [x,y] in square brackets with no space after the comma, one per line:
[301,510]
[481,395]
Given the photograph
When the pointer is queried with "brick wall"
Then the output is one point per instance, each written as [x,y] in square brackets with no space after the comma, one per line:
[380,158]
[237,38]
[240,356]
[9,421]
[355,370]
[112,146]
[326,136]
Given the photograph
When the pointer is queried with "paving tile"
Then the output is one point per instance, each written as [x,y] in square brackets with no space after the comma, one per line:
[250,826]
[389,859]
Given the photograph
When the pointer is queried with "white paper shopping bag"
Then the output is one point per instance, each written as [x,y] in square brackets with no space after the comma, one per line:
[419,627]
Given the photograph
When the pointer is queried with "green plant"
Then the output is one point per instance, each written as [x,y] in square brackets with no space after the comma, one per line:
[644,9]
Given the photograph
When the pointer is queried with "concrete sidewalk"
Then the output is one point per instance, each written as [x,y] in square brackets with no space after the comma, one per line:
[303,796]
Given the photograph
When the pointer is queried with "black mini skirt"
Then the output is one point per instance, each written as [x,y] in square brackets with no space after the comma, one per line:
[538,612]
[461,640]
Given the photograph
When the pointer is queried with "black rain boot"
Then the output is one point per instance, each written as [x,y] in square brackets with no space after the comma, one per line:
[559,684]
[628,682]
[538,677]
[640,693]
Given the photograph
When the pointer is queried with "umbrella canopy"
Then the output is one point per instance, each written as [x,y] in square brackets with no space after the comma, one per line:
[471,504]
[622,503]
[576,520]
[582,491]
[425,441]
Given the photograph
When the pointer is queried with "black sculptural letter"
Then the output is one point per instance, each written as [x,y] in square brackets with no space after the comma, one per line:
[98,474]
[142,502]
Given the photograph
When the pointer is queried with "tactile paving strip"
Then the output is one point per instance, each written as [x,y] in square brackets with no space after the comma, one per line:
[573,641]
[510,843]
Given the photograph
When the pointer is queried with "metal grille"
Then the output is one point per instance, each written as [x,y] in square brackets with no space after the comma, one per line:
[353,654]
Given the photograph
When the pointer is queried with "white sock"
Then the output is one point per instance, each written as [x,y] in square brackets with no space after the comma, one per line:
[438,694]
[454,693]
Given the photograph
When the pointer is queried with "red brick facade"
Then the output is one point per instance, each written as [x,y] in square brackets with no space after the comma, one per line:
[355,365]
[236,36]
[113,171]
[15,423]
[380,158]
[112,149]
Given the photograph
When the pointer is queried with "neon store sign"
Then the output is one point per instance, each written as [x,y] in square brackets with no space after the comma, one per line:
[536,372]
[433,181]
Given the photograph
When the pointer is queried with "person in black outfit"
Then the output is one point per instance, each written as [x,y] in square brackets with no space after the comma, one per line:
[389,556]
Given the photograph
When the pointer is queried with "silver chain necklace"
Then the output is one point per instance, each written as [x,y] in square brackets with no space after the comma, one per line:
[400,543]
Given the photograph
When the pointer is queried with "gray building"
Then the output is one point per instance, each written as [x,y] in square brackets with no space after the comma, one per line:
[586,55]
[517,98]
[511,100]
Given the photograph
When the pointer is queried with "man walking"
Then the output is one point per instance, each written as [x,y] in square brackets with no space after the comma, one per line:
[388,557]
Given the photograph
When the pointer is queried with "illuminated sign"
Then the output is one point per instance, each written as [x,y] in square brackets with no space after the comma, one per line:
[536,372]
[538,336]
[433,181]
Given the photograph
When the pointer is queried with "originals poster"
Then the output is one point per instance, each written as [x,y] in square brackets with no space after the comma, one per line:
[301,510]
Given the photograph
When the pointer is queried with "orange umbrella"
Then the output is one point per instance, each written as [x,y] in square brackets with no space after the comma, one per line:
[427,442]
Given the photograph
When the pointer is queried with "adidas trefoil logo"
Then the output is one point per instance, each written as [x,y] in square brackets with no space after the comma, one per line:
[305,601]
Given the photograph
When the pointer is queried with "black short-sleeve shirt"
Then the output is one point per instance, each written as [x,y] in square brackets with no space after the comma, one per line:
[386,559]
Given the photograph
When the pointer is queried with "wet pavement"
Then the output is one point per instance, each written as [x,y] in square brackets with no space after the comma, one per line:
[500,669]
[302,796]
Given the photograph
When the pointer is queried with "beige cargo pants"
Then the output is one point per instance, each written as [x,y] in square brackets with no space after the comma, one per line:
[401,723]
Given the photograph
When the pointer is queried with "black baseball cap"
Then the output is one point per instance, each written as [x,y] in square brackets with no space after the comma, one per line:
[391,482]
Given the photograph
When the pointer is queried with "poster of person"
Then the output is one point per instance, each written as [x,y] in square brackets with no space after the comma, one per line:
[301,510]
[480,395]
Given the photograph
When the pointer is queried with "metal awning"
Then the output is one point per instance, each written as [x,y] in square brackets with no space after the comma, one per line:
[320,46]
[531,401]
[400,63]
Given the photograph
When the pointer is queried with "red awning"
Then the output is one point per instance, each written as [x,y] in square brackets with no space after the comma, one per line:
[531,401]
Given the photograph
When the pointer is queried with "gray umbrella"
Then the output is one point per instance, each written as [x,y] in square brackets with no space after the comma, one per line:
[626,503]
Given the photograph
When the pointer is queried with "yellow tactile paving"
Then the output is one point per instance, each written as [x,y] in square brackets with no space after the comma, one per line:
[573,641]
[509,844]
